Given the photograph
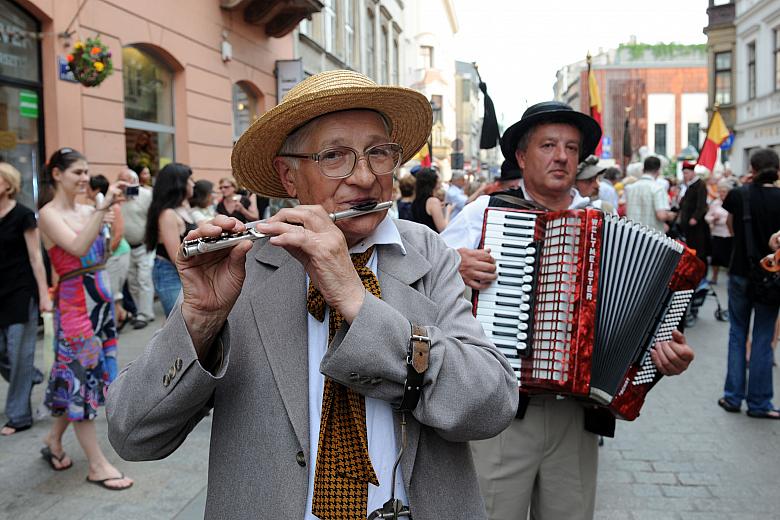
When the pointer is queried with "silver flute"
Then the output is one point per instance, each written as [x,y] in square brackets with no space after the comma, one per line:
[199,246]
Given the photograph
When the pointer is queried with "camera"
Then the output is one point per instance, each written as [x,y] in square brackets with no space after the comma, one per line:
[131,192]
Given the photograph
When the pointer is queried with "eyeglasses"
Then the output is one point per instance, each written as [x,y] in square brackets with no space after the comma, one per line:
[226,186]
[339,162]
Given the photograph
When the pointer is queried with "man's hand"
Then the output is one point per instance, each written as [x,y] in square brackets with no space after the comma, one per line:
[477,267]
[211,282]
[308,234]
[672,357]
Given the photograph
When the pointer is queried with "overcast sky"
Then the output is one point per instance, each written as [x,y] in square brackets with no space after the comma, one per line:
[520,44]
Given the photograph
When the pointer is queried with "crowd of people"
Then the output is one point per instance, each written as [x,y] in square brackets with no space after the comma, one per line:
[372,377]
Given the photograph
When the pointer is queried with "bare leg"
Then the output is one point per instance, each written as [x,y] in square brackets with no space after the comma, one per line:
[714,274]
[99,467]
[54,441]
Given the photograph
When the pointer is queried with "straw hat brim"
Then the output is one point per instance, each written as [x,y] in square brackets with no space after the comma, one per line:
[407,111]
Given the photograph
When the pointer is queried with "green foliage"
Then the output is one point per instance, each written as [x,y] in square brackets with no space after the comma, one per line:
[636,51]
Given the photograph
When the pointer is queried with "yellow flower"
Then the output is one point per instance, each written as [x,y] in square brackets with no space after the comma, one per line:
[78,46]
[99,66]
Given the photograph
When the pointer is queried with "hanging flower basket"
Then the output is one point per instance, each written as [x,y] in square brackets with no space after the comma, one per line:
[90,62]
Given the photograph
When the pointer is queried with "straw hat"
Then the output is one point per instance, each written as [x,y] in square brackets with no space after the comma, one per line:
[407,111]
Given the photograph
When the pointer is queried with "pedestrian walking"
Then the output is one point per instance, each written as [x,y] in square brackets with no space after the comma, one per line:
[693,208]
[23,294]
[717,218]
[167,223]
[751,380]
[545,463]
[647,202]
[427,209]
[323,340]
[85,357]
[139,273]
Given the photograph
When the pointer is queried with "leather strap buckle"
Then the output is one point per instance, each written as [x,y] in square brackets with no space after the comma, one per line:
[416,365]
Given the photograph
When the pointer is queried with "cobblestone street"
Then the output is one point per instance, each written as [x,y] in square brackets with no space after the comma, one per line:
[684,458]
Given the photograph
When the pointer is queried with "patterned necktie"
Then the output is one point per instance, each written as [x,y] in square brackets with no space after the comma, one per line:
[343,469]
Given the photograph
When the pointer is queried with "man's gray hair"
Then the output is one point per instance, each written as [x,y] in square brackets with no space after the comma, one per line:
[298,137]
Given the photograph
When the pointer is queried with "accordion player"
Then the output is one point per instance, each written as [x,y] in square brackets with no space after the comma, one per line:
[580,299]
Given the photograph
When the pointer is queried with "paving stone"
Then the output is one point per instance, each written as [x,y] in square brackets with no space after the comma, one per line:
[685,491]
[646,490]
[674,467]
[655,478]
[633,465]
[654,515]
[698,478]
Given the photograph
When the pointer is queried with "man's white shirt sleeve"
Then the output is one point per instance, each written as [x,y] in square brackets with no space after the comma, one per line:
[465,230]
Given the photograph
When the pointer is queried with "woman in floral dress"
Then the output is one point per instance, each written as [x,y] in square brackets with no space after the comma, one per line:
[85,344]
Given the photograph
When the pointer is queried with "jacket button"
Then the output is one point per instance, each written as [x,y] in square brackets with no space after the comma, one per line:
[178,363]
[166,380]
[300,459]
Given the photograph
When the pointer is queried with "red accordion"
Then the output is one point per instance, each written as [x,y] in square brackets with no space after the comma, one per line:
[580,300]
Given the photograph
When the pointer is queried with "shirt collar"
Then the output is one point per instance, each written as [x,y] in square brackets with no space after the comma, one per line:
[577,200]
[386,233]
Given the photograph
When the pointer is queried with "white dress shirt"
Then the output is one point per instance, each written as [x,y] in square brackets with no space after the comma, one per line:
[382,446]
[465,230]
[457,198]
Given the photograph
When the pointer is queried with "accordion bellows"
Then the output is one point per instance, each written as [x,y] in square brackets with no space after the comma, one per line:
[581,298]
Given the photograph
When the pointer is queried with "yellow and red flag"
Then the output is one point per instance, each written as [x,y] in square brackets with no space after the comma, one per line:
[595,103]
[716,134]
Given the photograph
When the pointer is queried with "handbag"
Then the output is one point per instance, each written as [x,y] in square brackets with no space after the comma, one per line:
[763,285]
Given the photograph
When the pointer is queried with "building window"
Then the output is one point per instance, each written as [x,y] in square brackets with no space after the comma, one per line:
[426,56]
[396,65]
[723,78]
[693,135]
[437,104]
[305,27]
[384,58]
[21,98]
[751,70]
[245,109]
[370,44]
[329,15]
[149,121]
[776,32]
[660,138]
[349,33]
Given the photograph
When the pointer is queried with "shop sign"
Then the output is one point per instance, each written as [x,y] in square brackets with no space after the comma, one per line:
[288,74]
[7,140]
[63,71]
[18,47]
[28,104]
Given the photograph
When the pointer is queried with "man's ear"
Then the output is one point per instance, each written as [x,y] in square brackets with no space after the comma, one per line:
[286,176]
[520,157]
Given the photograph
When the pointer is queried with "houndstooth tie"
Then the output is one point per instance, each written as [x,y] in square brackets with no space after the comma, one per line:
[343,469]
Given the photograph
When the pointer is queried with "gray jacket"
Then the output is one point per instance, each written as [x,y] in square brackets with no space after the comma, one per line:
[260,429]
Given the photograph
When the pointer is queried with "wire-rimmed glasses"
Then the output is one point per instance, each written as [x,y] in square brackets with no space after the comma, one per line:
[339,162]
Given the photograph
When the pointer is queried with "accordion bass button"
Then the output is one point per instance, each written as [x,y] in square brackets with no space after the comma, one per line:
[530,251]
[527,289]
[525,307]
[528,269]
[522,326]
[528,279]
[529,260]
[523,316]
[522,336]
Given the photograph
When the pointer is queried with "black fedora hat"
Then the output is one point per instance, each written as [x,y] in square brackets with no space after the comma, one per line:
[552,112]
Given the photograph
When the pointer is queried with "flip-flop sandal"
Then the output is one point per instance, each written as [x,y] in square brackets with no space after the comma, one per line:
[102,483]
[728,406]
[50,457]
[16,429]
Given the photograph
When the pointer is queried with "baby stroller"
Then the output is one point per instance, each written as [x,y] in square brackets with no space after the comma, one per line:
[697,300]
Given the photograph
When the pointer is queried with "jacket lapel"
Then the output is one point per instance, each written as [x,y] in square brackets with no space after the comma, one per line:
[280,314]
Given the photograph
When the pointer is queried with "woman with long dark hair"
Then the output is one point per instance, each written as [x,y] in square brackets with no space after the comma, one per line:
[23,293]
[167,223]
[201,208]
[426,208]
[85,357]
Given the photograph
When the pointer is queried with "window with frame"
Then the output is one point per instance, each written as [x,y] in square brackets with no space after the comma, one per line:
[305,27]
[148,97]
[723,78]
[660,138]
[349,33]
[751,55]
[370,44]
[437,103]
[329,17]
[426,56]
[776,34]
[384,57]
[244,109]
[693,134]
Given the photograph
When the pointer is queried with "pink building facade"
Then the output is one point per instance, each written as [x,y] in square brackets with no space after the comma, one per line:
[190,76]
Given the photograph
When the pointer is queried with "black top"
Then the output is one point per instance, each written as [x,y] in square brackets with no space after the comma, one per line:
[160,250]
[17,283]
[404,209]
[420,216]
[236,214]
[765,211]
